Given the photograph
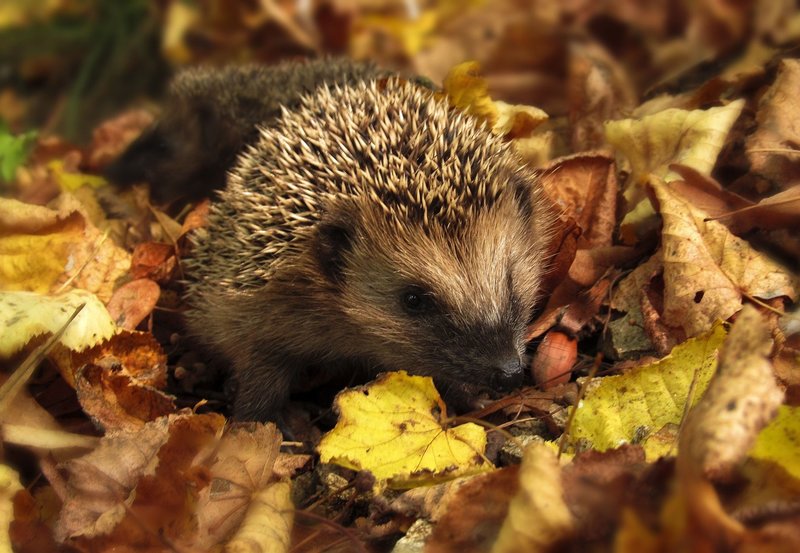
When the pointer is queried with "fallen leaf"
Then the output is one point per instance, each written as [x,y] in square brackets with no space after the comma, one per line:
[133,302]
[468,91]
[25,315]
[707,269]
[770,147]
[618,408]
[654,142]
[584,187]
[692,138]
[137,487]
[779,442]
[70,181]
[51,249]
[9,486]
[470,519]
[248,488]
[154,261]
[739,401]
[268,523]
[393,428]
[538,517]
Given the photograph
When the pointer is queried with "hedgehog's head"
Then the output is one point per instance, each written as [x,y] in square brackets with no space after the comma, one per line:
[437,261]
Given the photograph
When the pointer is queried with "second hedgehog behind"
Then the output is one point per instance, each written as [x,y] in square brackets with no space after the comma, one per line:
[370,227]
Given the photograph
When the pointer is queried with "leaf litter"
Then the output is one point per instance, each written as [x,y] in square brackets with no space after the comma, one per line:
[673,162]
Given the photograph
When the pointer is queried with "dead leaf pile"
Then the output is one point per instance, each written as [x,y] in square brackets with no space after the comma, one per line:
[663,410]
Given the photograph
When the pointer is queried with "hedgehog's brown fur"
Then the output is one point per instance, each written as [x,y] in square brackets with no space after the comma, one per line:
[363,195]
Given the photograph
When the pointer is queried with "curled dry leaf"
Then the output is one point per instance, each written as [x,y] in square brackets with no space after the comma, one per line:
[268,523]
[393,428]
[693,138]
[707,269]
[118,382]
[248,481]
[180,480]
[25,315]
[740,400]
[470,518]
[538,516]
[778,132]
[584,187]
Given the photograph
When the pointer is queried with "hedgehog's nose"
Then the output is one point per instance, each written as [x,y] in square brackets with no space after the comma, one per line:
[508,375]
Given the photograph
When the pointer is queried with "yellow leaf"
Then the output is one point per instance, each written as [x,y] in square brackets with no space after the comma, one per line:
[42,249]
[180,18]
[538,516]
[516,120]
[693,138]
[70,182]
[393,428]
[648,397]
[268,523]
[469,92]
[779,442]
[652,143]
[24,315]
[9,486]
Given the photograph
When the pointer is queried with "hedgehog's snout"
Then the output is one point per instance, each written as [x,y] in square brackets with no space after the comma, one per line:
[507,375]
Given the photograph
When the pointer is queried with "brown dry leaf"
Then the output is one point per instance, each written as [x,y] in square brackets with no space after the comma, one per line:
[771,148]
[196,218]
[707,270]
[781,210]
[153,260]
[248,479]
[117,402]
[133,302]
[740,400]
[538,516]
[118,382]
[76,254]
[599,486]
[137,487]
[584,187]
[598,90]
[136,354]
[471,518]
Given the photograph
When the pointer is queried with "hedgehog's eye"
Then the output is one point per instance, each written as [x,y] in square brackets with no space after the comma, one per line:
[416,301]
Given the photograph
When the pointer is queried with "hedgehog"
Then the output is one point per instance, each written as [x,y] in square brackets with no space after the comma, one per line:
[210,114]
[370,227]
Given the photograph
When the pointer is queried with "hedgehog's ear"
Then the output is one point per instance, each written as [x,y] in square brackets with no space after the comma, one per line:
[333,240]
[521,189]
